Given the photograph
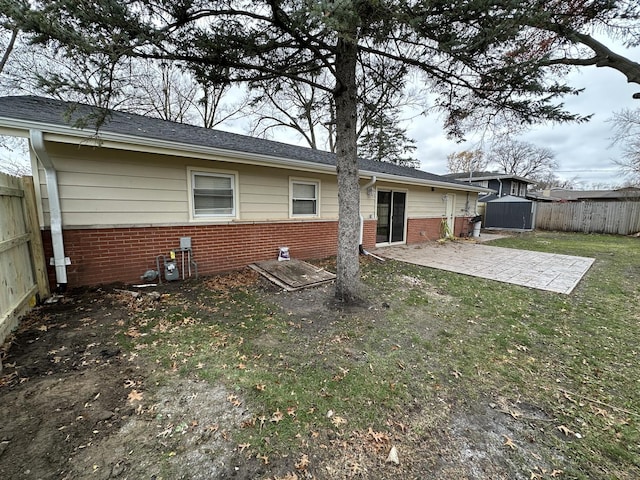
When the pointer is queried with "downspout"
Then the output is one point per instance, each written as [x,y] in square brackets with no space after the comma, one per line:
[500,189]
[55,213]
[367,186]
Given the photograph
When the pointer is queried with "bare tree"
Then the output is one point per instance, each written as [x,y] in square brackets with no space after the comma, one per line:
[523,159]
[298,106]
[626,124]
[551,180]
[14,156]
[308,110]
[467,161]
[168,91]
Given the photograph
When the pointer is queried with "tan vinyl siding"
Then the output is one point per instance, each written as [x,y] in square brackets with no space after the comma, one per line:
[422,202]
[107,187]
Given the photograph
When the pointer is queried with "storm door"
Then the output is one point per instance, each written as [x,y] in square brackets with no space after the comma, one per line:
[391,216]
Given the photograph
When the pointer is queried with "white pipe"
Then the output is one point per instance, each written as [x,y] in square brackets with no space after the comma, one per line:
[371,183]
[55,213]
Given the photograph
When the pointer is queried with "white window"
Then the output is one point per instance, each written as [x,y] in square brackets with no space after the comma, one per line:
[523,189]
[213,194]
[304,198]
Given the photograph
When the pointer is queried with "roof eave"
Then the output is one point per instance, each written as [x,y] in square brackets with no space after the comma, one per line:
[21,128]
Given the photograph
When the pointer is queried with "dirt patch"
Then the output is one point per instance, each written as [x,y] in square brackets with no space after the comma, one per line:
[75,404]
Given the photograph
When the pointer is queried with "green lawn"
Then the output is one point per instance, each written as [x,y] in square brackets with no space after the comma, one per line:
[557,375]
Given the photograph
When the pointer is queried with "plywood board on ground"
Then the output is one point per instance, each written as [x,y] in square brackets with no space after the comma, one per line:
[293,274]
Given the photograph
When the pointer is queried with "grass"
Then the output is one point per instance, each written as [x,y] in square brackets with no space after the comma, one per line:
[461,340]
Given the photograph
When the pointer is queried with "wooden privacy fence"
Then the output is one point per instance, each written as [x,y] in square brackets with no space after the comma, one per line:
[23,276]
[622,217]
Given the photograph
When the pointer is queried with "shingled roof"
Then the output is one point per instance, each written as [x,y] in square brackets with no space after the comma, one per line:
[49,112]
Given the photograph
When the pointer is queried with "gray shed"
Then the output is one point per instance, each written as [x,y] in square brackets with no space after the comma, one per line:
[509,212]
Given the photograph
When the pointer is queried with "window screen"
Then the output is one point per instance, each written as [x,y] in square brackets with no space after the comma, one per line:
[213,194]
[304,198]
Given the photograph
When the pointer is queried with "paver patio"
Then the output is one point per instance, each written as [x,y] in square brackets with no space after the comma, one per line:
[545,271]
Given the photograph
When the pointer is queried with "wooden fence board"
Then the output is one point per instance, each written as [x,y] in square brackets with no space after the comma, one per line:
[22,266]
[621,218]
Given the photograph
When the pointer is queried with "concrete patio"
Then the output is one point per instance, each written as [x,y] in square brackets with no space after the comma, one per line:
[543,271]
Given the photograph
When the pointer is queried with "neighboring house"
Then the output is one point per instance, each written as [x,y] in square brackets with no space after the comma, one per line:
[564,195]
[111,201]
[502,184]
[507,207]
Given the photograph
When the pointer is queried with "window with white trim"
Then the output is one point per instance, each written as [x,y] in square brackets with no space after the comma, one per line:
[213,194]
[523,189]
[304,198]
[514,188]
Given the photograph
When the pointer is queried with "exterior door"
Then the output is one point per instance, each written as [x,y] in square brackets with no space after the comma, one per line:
[450,213]
[391,216]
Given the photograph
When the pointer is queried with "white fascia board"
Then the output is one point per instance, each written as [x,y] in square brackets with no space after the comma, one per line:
[424,182]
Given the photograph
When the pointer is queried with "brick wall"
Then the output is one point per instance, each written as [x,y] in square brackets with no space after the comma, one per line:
[108,255]
[429,229]
[462,227]
[423,229]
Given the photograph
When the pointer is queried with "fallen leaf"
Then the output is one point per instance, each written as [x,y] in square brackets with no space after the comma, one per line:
[303,463]
[134,396]
[567,431]
[243,446]
[264,458]
[277,416]
[508,442]
[337,421]
[378,437]
[291,411]
[261,387]
[556,473]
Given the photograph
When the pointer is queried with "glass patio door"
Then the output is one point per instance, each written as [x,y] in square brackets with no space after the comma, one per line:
[391,216]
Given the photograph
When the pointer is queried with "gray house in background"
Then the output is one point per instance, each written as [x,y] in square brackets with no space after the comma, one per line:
[507,208]
[503,184]
[564,195]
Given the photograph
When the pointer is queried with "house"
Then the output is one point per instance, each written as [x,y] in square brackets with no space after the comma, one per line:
[502,184]
[565,195]
[507,206]
[112,200]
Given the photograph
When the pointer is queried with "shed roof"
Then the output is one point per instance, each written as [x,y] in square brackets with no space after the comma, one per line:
[24,112]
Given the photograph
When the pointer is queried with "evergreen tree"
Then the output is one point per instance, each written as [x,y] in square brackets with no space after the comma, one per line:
[482,58]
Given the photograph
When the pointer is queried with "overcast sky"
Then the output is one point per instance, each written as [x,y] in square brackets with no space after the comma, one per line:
[582,150]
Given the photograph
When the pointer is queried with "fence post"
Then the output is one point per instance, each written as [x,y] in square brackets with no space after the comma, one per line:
[35,242]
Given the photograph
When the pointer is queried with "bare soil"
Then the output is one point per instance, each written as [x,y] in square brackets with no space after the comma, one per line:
[74,404]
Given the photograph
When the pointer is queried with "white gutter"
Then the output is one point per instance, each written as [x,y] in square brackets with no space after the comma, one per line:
[499,191]
[59,260]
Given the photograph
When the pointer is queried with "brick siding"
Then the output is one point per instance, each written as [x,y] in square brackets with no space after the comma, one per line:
[108,255]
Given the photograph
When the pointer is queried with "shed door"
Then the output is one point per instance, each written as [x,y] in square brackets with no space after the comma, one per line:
[391,216]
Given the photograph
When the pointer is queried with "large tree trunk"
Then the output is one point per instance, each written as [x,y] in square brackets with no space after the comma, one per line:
[345,96]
